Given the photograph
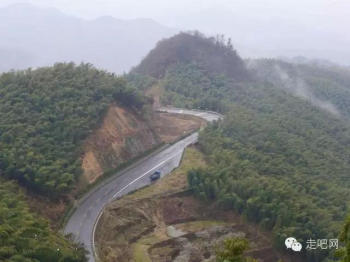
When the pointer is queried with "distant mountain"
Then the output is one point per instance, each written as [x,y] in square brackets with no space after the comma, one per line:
[256,34]
[302,60]
[32,37]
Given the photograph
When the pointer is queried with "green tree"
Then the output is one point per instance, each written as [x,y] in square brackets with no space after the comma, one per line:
[45,116]
[232,250]
[25,237]
[344,253]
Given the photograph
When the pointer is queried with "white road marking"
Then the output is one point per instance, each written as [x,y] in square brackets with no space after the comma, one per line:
[144,174]
[209,116]
[132,182]
[93,235]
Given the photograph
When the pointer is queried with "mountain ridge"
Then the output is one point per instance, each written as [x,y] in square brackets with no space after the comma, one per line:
[280,157]
[44,36]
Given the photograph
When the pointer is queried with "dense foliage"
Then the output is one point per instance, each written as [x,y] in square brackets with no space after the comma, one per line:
[188,86]
[140,82]
[214,55]
[281,162]
[326,86]
[281,156]
[344,252]
[26,238]
[232,250]
[46,113]
[289,175]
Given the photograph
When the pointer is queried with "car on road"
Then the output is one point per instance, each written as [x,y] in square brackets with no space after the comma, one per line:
[155,176]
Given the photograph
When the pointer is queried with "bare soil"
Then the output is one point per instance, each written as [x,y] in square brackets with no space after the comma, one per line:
[164,222]
[124,135]
[172,126]
[128,224]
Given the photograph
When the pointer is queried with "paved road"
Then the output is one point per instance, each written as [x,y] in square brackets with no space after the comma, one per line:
[82,223]
[207,115]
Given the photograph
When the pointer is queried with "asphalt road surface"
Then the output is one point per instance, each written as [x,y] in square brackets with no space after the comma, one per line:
[82,222]
[207,115]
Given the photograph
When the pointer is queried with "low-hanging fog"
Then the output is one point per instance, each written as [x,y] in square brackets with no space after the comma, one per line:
[293,84]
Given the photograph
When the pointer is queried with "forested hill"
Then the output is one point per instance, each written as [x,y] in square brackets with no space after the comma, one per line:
[27,237]
[45,115]
[212,55]
[281,157]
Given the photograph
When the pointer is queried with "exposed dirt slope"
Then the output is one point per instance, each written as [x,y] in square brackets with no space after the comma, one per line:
[124,135]
[164,223]
[170,127]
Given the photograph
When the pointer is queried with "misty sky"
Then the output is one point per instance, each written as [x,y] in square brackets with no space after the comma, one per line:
[258,27]
[167,11]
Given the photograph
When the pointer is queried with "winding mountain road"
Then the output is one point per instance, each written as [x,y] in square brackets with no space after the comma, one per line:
[83,221]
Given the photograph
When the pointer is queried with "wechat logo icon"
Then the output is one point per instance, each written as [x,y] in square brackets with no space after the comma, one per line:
[292,243]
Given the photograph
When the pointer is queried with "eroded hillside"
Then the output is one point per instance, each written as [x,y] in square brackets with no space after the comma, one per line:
[124,135]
